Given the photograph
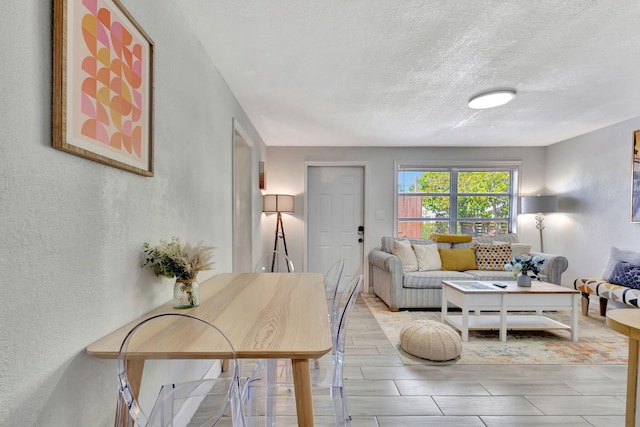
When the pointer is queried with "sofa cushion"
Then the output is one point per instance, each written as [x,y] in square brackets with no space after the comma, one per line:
[626,274]
[458,259]
[428,257]
[403,250]
[519,249]
[615,256]
[492,257]
[506,238]
[450,238]
[431,279]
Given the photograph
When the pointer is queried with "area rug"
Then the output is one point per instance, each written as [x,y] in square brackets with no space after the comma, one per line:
[598,344]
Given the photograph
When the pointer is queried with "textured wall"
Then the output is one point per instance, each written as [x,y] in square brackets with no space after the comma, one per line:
[72,229]
[592,175]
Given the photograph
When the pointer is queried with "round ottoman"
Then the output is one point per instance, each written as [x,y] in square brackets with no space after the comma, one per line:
[430,340]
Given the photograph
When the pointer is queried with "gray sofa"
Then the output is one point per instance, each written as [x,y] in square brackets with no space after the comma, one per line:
[423,289]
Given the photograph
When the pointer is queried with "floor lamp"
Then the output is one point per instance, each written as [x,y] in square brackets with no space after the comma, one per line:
[539,205]
[278,203]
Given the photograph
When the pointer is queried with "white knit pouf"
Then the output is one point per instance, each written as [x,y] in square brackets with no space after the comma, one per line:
[430,340]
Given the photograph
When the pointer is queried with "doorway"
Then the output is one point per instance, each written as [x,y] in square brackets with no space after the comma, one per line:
[242,206]
[335,218]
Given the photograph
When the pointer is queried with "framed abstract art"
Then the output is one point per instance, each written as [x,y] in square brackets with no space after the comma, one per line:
[102,85]
[635,178]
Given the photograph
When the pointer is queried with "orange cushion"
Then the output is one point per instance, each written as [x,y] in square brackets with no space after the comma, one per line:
[450,238]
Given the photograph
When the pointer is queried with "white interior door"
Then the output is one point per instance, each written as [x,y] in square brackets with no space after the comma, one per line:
[335,218]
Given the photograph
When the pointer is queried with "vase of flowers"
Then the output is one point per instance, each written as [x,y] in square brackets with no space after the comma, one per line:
[186,293]
[182,261]
[525,268]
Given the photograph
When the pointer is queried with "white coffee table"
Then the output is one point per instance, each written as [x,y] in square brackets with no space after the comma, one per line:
[477,296]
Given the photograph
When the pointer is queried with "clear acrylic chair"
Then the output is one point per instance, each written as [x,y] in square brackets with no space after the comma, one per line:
[343,305]
[332,280]
[260,395]
[194,401]
[274,262]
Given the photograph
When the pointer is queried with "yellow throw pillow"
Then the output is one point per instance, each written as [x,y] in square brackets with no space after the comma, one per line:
[492,257]
[450,238]
[459,259]
[403,250]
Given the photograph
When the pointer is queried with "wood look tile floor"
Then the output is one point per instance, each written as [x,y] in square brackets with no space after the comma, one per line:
[382,392]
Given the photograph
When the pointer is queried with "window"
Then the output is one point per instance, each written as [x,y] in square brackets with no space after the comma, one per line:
[476,201]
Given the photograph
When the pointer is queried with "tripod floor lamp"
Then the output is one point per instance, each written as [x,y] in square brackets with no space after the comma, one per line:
[278,203]
[539,205]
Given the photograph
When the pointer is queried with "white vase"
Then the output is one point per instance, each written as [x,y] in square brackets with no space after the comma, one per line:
[523,280]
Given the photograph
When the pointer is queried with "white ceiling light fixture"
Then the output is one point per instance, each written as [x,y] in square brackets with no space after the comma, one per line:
[494,98]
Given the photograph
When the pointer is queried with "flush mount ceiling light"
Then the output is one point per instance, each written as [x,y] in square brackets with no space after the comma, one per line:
[492,99]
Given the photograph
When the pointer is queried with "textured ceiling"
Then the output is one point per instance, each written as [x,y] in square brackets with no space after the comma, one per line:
[399,73]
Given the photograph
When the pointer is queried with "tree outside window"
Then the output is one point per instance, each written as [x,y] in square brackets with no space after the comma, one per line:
[452,200]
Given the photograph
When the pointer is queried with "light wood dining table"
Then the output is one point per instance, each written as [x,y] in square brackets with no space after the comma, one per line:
[264,315]
[627,322]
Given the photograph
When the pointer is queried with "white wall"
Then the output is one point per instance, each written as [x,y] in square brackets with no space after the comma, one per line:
[285,168]
[72,229]
[592,175]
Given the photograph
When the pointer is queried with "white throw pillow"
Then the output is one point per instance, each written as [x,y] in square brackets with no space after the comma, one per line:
[428,257]
[520,249]
[615,256]
[403,250]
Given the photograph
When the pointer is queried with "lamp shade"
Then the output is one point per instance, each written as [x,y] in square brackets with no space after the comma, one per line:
[277,203]
[538,204]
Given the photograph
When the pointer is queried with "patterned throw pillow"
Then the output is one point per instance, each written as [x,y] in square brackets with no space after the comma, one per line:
[626,274]
[492,257]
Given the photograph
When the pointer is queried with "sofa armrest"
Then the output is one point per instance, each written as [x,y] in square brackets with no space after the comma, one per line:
[385,277]
[385,260]
[555,266]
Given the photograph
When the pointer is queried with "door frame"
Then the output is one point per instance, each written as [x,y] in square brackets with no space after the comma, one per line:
[365,197]
[237,128]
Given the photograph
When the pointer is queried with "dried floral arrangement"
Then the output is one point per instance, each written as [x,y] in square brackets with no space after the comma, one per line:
[176,259]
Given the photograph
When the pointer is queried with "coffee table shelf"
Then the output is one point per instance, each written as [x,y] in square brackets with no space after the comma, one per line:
[522,322]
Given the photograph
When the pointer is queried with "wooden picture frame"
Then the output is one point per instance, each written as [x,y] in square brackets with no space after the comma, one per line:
[102,85]
[635,178]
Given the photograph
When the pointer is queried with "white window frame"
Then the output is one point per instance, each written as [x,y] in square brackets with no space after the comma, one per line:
[513,167]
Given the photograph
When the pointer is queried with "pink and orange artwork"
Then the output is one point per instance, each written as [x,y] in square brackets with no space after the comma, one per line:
[107,99]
